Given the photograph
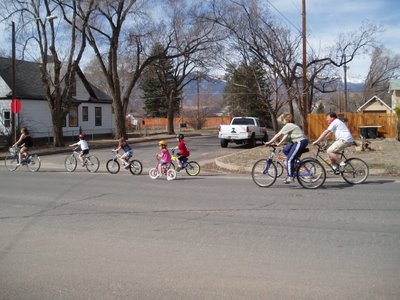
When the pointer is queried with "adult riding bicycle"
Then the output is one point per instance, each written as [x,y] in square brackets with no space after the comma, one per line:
[309,172]
[90,162]
[113,165]
[32,161]
[167,170]
[192,168]
[353,170]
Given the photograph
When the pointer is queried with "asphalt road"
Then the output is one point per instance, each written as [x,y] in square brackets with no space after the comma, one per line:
[214,236]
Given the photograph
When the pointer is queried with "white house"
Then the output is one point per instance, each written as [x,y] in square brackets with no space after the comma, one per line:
[91,111]
[374,105]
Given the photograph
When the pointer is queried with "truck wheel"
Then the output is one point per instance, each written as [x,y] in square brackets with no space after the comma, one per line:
[224,143]
[252,141]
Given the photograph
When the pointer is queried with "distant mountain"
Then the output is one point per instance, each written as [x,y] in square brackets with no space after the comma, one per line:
[355,87]
[214,88]
[209,88]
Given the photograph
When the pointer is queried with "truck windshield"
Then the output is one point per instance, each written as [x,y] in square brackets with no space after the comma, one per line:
[242,121]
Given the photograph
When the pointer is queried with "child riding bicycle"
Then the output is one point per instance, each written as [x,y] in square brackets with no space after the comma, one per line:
[183,152]
[123,144]
[164,157]
[84,145]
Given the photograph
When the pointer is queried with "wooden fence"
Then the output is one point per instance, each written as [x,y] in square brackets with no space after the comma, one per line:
[316,123]
[161,123]
[388,122]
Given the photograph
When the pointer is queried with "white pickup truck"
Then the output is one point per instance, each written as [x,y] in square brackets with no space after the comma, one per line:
[242,130]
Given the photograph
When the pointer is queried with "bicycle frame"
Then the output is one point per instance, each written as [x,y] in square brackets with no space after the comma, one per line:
[113,164]
[309,172]
[322,149]
[31,160]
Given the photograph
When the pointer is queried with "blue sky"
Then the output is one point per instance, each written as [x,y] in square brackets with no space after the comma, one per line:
[327,18]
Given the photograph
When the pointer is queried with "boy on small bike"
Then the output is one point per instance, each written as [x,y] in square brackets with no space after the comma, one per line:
[124,158]
[183,152]
[164,157]
[84,145]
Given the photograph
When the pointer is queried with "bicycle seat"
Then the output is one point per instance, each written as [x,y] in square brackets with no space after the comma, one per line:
[305,150]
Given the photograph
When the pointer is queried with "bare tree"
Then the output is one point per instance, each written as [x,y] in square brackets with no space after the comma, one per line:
[59,51]
[255,29]
[110,35]
[384,66]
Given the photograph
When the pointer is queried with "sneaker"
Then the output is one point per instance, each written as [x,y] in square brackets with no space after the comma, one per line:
[336,169]
[288,180]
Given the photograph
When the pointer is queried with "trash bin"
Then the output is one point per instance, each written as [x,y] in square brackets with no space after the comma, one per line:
[372,132]
[364,133]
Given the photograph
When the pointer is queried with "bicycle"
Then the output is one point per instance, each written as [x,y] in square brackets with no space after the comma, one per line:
[192,168]
[353,171]
[32,161]
[91,162]
[167,170]
[309,172]
[113,165]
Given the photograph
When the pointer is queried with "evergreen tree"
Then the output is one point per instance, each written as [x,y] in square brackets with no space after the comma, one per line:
[244,91]
[159,87]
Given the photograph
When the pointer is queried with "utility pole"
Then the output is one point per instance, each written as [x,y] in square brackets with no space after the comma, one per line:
[305,83]
[345,88]
[13,84]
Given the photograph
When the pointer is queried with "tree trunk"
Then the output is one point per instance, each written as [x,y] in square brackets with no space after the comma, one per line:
[120,129]
[58,136]
[170,122]
[274,120]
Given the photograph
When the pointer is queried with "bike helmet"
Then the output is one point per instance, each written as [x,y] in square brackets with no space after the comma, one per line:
[180,136]
[162,143]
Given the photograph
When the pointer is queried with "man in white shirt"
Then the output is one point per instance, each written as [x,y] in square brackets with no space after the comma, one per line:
[343,137]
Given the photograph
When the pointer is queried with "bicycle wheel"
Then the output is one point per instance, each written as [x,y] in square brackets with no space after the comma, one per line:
[70,163]
[153,173]
[264,173]
[280,167]
[11,162]
[113,166]
[92,164]
[192,168]
[311,174]
[135,167]
[355,171]
[171,174]
[34,163]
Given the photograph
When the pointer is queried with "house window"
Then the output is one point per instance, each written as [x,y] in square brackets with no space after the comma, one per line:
[73,116]
[85,113]
[7,119]
[97,116]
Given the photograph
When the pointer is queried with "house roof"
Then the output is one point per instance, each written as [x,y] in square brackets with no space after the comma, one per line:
[29,86]
[369,102]
[394,84]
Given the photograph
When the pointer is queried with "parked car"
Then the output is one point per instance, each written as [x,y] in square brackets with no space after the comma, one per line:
[242,130]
